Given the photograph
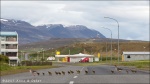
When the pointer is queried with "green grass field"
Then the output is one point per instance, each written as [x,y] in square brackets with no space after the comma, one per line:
[144,65]
[7,70]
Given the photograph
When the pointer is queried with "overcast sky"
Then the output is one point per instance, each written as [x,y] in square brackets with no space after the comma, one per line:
[133,16]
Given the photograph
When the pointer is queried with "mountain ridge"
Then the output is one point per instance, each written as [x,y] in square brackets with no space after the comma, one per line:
[29,33]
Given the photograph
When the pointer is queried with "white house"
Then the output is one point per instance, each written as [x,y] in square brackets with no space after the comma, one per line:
[9,46]
[132,56]
[75,57]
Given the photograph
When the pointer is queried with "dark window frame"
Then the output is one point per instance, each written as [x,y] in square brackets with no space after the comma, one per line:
[128,56]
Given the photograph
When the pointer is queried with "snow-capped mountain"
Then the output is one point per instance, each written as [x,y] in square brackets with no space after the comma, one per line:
[30,33]
[13,22]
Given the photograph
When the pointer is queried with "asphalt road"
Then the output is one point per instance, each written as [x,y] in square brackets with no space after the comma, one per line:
[102,74]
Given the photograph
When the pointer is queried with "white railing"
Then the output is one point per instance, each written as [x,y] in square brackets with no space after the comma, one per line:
[9,50]
[9,42]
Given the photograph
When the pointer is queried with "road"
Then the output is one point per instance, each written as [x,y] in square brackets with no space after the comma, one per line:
[102,74]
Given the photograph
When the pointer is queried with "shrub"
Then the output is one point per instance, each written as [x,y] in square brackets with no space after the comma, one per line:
[4,66]
[4,58]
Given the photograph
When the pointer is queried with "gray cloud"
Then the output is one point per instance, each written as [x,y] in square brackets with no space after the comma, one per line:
[133,16]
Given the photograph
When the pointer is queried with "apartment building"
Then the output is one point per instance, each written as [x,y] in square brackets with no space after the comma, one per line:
[9,46]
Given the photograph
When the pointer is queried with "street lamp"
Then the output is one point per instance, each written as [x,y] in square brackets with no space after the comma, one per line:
[118,34]
[21,59]
[37,55]
[69,51]
[106,51]
[111,41]
[43,54]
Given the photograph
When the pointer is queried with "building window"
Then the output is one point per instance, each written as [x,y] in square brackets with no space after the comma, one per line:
[11,46]
[128,56]
[11,54]
[9,38]
[3,53]
[2,38]
[2,46]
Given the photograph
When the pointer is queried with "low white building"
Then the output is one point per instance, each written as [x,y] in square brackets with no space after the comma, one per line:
[133,56]
[75,57]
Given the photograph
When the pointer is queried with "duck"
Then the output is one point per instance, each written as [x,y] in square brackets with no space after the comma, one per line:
[71,71]
[49,73]
[43,74]
[93,71]
[59,73]
[68,72]
[78,72]
[134,71]
[63,72]
[86,72]
[32,72]
[56,73]
[118,69]
[127,71]
[112,71]
[38,73]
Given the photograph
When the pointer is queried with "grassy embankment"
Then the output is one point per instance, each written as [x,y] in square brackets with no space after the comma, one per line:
[5,69]
[144,65]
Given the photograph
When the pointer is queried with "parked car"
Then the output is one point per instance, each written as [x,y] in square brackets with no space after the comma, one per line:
[85,59]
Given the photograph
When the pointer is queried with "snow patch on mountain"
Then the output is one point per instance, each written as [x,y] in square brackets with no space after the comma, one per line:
[76,27]
[48,25]
[4,20]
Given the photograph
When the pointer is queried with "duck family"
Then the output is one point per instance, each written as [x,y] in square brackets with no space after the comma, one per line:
[120,69]
[33,72]
[69,72]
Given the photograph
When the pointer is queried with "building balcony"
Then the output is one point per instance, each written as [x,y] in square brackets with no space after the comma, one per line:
[11,39]
[11,47]
[13,58]
[9,50]
[9,42]
[11,54]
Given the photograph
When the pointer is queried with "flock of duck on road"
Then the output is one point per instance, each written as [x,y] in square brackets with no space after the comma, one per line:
[33,72]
